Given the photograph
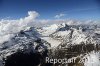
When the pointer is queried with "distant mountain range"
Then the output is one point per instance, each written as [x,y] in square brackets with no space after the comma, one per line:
[36,43]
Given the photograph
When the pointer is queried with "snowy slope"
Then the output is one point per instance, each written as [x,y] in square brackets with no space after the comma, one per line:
[53,43]
[75,36]
[93,59]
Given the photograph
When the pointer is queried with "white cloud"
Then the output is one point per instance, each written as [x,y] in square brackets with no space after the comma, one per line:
[59,15]
[31,16]
[67,21]
[8,27]
[59,21]
[11,25]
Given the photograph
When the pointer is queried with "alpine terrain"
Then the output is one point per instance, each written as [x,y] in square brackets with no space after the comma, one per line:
[31,46]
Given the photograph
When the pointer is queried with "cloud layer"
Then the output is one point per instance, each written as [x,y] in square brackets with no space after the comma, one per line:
[9,27]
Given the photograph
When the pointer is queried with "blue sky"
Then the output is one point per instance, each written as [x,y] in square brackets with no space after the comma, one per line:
[48,9]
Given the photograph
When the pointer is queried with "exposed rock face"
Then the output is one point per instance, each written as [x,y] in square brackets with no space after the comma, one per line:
[23,59]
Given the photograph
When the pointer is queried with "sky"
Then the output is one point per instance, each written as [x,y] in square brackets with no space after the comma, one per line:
[51,9]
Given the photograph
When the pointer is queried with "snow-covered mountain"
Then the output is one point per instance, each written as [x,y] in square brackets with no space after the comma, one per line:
[23,42]
[72,33]
[51,40]
[83,40]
